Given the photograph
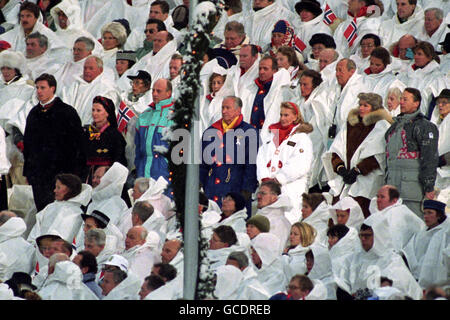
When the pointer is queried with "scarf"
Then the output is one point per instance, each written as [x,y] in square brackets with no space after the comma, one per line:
[95,133]
[227,127]
[280,133]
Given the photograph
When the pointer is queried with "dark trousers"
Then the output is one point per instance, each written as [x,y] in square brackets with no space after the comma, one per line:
[43,194]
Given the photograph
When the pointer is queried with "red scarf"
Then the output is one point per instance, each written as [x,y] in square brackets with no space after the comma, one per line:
[280,133]
[362,13]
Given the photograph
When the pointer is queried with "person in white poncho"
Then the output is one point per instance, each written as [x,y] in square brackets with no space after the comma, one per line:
[425,75]
[319,267]
[64,281]
[141,250]
[250,287]
[268,263]
[428,252]
[403,223]
[347,212]
[67,18]
[16,254]
[234,213]
[315,213]
[64,214]
[106,197]
[302,236]
[94,81]
[376,258]
[118,284]
[228,281]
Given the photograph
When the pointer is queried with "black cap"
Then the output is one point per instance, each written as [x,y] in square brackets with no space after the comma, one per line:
[100,218]
[143,75]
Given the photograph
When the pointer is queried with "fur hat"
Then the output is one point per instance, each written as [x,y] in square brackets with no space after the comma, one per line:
[260,222]
[117,30]
[12,59]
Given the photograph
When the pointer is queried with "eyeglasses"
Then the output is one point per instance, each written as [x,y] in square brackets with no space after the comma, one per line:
[442,102]
[262,193]
[367,46]
[151,31]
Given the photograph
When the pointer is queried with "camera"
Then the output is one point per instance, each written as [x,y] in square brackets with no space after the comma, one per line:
[332,131]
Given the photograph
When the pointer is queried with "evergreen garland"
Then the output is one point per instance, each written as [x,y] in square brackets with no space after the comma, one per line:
[196,42]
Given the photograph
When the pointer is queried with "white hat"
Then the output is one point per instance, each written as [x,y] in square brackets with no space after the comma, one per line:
[118,261]
[12,59]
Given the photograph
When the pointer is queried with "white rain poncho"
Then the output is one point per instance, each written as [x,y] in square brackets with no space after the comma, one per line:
[106,197]
[128,289]
[271,275]
[251,288]
[403,223]
[236,221]
[65,283]
[62,216]
[428,255]
[322,269]
[363,269]
[81,93]
[16,254]
[229,279]
[356,217]
[280,226]
[319,221]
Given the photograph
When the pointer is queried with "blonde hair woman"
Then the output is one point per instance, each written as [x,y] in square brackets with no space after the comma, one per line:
[301,237]
[286,155]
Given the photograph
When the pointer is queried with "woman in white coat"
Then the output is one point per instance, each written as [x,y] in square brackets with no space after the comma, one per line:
[301,237]
[64,214]
[286,154]
[114,36]
[356,160]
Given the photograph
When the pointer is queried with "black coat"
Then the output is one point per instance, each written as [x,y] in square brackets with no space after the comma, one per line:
[53,143]
[107,148]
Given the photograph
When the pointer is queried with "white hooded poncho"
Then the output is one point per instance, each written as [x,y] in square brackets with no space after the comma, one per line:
[229,279]
[16,254]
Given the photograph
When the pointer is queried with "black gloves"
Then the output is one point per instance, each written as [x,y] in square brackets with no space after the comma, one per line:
[342,171]
[351,176]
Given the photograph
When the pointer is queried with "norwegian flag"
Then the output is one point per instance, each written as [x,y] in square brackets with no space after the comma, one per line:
[350,32]
[124,115]
[328,16]
[299,44]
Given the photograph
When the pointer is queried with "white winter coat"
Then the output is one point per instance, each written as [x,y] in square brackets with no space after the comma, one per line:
[16,254]
[295,154]
[63,217]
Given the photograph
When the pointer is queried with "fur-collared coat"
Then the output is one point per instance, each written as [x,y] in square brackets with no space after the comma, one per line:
[360,143]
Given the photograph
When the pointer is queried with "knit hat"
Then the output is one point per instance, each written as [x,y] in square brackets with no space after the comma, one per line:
[117,30]
[260,222]
[280,27]
[239,201]
[310,5]
[109,107]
